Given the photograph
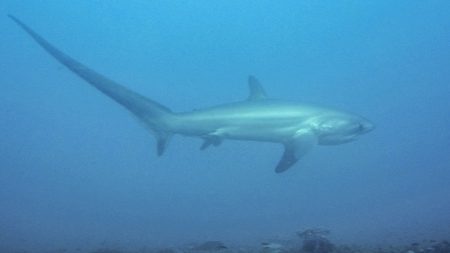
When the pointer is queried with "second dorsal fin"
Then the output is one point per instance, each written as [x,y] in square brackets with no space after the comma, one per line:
[256,90]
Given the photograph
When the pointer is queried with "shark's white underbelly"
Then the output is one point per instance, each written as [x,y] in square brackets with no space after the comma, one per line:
[237,129]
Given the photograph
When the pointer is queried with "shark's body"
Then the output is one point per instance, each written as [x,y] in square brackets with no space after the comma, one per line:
[297,126]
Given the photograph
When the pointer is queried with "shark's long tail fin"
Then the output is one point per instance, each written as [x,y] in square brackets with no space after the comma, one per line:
[152,114]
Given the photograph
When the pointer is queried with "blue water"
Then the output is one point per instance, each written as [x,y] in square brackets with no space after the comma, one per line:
[76,170]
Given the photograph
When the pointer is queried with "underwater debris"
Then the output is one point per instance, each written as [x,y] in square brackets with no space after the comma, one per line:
[210,246]
[313,232]
[167,250]
[315,241]
[440,247]
[270,247]
[107,250]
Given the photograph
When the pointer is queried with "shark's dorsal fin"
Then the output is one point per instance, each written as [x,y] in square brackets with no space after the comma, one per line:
[296,148]
[256,90]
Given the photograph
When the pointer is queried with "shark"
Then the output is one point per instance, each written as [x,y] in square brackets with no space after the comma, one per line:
[298,127]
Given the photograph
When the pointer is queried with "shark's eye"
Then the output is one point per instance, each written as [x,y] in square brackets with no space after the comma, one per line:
[361,127]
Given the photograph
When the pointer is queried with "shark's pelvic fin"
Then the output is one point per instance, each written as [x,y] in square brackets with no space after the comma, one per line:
[209,140]
[256,90]
[296,148]
[214,139]
[162,139]
[154,115]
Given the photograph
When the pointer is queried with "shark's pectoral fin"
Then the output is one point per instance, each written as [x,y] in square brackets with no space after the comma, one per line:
[296,148]
[209,140]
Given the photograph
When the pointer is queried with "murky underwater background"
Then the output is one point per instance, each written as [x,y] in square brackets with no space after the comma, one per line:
[78,172]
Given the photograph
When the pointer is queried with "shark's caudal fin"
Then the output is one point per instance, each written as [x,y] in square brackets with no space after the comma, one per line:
[152,114]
